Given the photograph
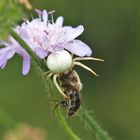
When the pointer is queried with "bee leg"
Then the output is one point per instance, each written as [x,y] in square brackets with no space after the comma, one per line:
[85,67]
[78,79]
[57,85]
[45,73]
[87,58]
[64,104]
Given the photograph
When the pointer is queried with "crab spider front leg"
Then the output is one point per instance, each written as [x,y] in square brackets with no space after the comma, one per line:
[57,85]
[87,58]
[84,66]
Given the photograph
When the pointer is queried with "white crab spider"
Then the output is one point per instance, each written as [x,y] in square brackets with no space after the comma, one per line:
[62,62]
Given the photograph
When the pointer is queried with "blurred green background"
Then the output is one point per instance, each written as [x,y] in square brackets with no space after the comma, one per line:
[112,31]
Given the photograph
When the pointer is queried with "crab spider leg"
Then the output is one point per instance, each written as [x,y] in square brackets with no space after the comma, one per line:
[85,67]
[49,75]
[46,73]
[57,86]
[87,58]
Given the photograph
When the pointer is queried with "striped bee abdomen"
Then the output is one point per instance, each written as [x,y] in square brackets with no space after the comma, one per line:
[71,87]
[75,103]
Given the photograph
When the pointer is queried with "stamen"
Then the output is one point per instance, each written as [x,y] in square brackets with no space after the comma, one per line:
[85,67]
[57,86]
[32,17]
[87,58]
[51,13]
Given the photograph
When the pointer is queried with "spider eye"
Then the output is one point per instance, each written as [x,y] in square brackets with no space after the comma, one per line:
[59,62]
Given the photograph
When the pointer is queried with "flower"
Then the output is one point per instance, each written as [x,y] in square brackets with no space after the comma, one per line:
[24,131]
[44,37]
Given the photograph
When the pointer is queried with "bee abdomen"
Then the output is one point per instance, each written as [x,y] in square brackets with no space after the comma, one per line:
[75,104]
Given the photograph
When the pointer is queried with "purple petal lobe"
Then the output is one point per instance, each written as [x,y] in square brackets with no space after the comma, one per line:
[26,65]
[39,12]
[59,21]
[74,32]
[23,33]
[3,65]
[78,48]
[5,54]
[41,53]
[45,16]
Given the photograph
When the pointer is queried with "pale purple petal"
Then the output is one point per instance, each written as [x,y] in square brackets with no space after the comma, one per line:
[23,33]
[3,65]
[26,65]
[5,54]
[42,14]
[78,48]
[39,12]
[59,21]
[72,33]
[45,16]
[10,54]
[9,51]
[41,53]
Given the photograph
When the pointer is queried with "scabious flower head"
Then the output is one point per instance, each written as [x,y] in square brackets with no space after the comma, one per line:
[44,37]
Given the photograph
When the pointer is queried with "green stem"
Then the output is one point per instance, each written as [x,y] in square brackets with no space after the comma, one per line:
[35,58]
[66,127]
[94,126]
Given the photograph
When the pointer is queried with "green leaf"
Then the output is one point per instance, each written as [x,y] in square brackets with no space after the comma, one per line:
[10,13]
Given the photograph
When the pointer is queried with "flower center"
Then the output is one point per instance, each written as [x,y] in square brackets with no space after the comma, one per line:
[59,62]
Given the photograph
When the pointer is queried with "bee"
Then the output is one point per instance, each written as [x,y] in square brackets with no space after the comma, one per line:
[70,85]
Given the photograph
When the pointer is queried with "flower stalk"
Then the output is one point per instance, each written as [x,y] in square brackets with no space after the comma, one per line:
[64,124]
